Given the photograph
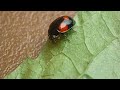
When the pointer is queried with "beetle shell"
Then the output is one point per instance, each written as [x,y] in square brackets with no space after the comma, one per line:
[59,26]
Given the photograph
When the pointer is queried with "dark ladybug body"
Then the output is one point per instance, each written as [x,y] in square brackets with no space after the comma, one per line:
[60,26]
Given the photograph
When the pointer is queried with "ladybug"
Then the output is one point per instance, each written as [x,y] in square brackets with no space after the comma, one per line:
[60,26]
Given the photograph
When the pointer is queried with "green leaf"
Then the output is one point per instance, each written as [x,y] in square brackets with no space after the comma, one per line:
[92,50]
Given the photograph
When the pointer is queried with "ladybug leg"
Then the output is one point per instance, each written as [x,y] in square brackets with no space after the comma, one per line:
[72,30]
[55,38]
[58,37]
[65,36]
[54,41]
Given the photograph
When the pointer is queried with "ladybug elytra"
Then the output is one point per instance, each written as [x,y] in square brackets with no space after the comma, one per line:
[60,26]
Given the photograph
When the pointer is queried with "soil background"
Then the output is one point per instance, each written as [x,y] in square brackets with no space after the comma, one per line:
[22,35]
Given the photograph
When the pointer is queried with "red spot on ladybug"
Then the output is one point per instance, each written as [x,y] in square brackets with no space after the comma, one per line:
[66,17]
[60,26]
[63,28]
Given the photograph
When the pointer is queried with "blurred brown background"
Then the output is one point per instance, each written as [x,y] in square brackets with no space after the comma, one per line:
[22,34]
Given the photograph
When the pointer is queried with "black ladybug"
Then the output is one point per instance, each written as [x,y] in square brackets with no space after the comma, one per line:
[60,26]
